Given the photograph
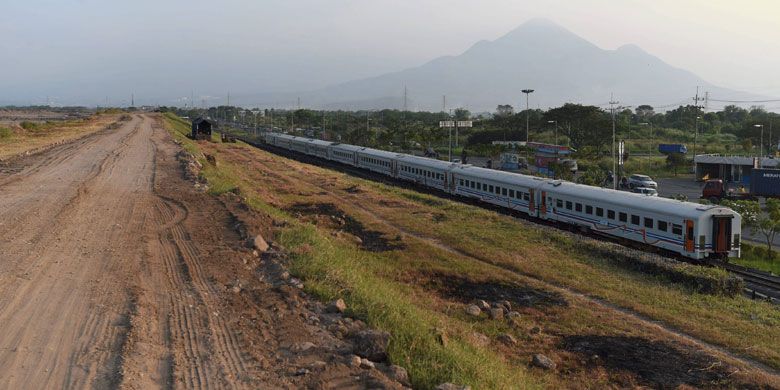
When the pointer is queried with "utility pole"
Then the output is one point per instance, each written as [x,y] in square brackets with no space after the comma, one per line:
[405,97]
[696,108]
[612,103]
[527,124]
[132,100]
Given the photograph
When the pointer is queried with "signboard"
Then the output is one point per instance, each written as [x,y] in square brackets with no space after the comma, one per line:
[454,124]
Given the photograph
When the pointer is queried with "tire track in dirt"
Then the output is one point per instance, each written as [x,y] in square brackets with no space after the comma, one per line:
[203,352]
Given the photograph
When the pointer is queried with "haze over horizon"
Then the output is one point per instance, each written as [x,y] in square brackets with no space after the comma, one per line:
[89,52]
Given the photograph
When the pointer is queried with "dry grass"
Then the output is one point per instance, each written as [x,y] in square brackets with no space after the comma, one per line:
[35,136]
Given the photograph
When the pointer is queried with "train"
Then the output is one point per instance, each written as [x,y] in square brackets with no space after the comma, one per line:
[681,228]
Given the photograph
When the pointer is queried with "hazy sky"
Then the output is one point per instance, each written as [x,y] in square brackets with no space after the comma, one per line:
[84,51]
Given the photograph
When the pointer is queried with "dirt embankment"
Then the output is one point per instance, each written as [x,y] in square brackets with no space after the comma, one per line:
[116,272]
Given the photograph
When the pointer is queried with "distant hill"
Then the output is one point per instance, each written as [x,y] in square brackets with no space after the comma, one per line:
[541,55]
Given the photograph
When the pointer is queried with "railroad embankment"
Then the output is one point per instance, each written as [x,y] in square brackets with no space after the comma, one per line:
[470,296]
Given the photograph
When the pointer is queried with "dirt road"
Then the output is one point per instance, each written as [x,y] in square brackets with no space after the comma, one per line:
[115,272]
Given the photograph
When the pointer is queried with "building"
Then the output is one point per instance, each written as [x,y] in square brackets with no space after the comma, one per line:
[202,128]
[736,169]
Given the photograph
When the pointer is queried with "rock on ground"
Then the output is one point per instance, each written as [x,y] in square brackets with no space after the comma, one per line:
[543,361]
[372,344]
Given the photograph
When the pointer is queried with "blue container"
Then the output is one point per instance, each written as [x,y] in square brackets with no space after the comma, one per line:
[765,182]
[672,148]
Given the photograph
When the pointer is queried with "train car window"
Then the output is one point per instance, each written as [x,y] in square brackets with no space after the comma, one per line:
[558,203]
[472,185]
[648,222]
[460,182]
[568,205]
[634,219]
[611,214]
[526,196]
[511,193]
[578,207]
[589,210]
[490,189]
[662,226]
[677,229]
[623,217]
[599,212]
[503,191]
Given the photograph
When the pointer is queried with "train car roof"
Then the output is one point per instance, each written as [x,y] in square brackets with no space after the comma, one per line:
[378,153]
[425,161]
[347,147]
[650,204]
[319,142]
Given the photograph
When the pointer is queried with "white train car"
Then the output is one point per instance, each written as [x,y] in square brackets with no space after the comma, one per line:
[318,148]
[379,161]
[344,153]
[510,190]
[690,229]
[426,171]
[281,140]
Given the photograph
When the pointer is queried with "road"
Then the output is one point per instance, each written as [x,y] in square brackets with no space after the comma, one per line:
[115,272]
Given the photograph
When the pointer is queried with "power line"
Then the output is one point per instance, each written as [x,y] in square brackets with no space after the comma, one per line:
[746,101]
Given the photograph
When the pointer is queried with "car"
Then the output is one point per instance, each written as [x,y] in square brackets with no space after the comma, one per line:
[641,181]
[645,190]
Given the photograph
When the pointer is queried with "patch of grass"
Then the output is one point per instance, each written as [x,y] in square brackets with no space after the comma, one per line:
[755,256]
[5,133]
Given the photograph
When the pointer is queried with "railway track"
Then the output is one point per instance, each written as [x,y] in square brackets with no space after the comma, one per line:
[759,284]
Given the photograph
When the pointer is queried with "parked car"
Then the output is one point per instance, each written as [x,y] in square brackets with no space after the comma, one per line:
[641,181]
[645,190]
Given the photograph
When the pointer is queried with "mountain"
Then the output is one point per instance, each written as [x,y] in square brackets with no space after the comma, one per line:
[541,55]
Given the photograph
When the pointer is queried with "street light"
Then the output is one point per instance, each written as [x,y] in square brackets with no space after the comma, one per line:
[527,127]
[555,140]
[761,145]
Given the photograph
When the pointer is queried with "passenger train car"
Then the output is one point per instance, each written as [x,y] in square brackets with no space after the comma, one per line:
[689,229]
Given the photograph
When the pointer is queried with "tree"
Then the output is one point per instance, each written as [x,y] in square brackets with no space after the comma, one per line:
[765,222]
[504,110]
[644,111]
[768,223]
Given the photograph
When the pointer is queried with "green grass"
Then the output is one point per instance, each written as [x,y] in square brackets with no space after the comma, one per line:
[755,256]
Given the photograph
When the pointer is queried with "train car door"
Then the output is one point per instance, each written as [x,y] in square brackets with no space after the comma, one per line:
[721,233]
[531,201]
[689,238]
[393,168]
[543,204]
